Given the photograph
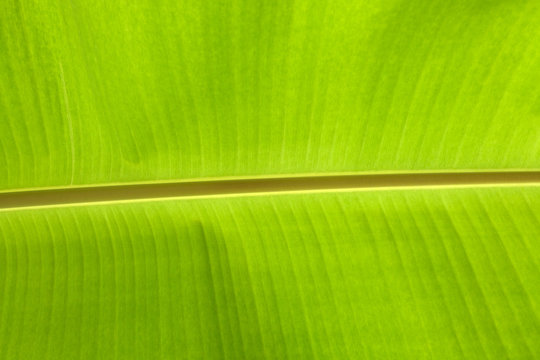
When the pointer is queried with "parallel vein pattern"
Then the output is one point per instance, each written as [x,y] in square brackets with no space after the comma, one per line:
[116,91]
[415,274]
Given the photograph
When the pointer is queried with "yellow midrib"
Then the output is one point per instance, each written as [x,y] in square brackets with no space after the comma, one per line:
[206,187]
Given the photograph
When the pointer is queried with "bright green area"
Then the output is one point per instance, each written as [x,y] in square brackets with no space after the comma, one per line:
[415,274]
[110,91]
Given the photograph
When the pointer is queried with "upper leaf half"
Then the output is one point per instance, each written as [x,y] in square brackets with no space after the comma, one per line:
[101,91]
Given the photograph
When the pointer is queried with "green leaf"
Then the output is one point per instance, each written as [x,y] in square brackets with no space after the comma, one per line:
[100,93]
[433,273]
[124,91]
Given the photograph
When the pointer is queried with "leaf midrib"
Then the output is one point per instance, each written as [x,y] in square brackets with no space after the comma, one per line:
[65,196]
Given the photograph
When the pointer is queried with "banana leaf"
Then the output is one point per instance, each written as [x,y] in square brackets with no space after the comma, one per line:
[99,93]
